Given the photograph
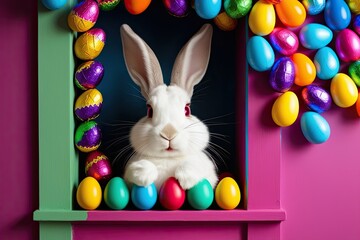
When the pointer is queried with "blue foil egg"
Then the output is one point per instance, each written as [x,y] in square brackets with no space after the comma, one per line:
[315,36]
[207,9]
[356,24]
[314,127]
[316,98]
[53,4]
[259,54]
[144,198]
[337,14]
[314,7]
[282,74]
[327,63]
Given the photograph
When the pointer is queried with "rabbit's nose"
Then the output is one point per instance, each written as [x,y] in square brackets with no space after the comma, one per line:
[169,132]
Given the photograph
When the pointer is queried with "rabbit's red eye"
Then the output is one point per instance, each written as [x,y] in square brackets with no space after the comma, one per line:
[149,111]
[187,110]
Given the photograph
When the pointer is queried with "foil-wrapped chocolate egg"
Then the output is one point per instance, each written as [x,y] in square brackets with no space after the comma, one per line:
[225,22]
[88,136]
[83,16]
[88,105]
[354,72]
[282,74]
[316,98]
[107,5]
[284,41]
[356,24]
[178,8]
[314,7]
[90,44]
[354,6]
[89,75]
[98,166]
[237,8]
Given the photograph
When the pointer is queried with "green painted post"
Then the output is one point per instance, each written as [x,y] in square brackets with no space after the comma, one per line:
[58,160]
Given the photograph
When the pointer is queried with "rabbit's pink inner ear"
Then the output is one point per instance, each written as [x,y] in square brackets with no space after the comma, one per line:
[141,62]
[193,59]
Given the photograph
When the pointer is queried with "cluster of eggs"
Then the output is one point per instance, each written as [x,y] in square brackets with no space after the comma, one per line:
[171,195]
[293,68]
[88,104]
[224,13]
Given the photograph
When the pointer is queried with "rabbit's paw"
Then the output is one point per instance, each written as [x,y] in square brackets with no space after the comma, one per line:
[187,177]
[142,173]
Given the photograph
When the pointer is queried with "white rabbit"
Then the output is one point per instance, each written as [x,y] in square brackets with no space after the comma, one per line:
[169,142]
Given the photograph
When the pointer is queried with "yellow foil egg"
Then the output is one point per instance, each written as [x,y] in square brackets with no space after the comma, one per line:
[354,6]
[88,105]
[227,194]
[225,22]
[285,109]
[343,90]
[90,44]
[88,194]
[262,18]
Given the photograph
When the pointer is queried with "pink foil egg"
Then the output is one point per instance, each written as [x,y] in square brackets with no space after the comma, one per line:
[284,41]
[98,166]
[83,16]
[348,45]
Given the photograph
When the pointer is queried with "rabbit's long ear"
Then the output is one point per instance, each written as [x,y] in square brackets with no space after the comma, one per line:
[141,62]
[192,61]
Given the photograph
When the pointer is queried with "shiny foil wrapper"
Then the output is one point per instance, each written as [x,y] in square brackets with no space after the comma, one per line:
[316,98]
[282,75]
[89,75]
[98,166]
[88,136]
[178,8]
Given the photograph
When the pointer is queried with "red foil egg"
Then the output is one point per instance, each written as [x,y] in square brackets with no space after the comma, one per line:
[171,194]
[98,166]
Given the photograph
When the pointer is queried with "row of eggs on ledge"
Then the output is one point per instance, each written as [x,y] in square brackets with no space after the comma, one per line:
[171,196]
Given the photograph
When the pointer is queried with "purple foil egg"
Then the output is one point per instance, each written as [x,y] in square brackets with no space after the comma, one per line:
[347,45]
[316,98]
[89,75]
[282,74]
[356,24]
[178,8]
[88,105]
[88,136]
[284,41]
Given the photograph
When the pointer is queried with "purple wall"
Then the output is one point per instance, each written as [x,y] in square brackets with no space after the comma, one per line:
[19,161]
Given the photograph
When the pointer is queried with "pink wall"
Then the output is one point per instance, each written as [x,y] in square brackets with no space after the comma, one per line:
[320,188]
[18,138]
[319,183]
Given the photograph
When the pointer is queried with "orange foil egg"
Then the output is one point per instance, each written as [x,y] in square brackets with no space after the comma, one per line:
[136,6]
[291,13]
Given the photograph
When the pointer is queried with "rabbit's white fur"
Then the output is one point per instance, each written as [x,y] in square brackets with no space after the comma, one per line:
[168,144]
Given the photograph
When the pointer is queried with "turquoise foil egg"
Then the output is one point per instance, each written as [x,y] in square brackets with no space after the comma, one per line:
[314,127]
[314,7]
[259,54]
[327,63]
[315,36]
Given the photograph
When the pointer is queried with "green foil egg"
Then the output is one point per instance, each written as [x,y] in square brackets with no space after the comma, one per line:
[354,72]
[237,8]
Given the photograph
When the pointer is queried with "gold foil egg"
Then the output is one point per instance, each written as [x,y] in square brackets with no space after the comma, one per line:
[90,44]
